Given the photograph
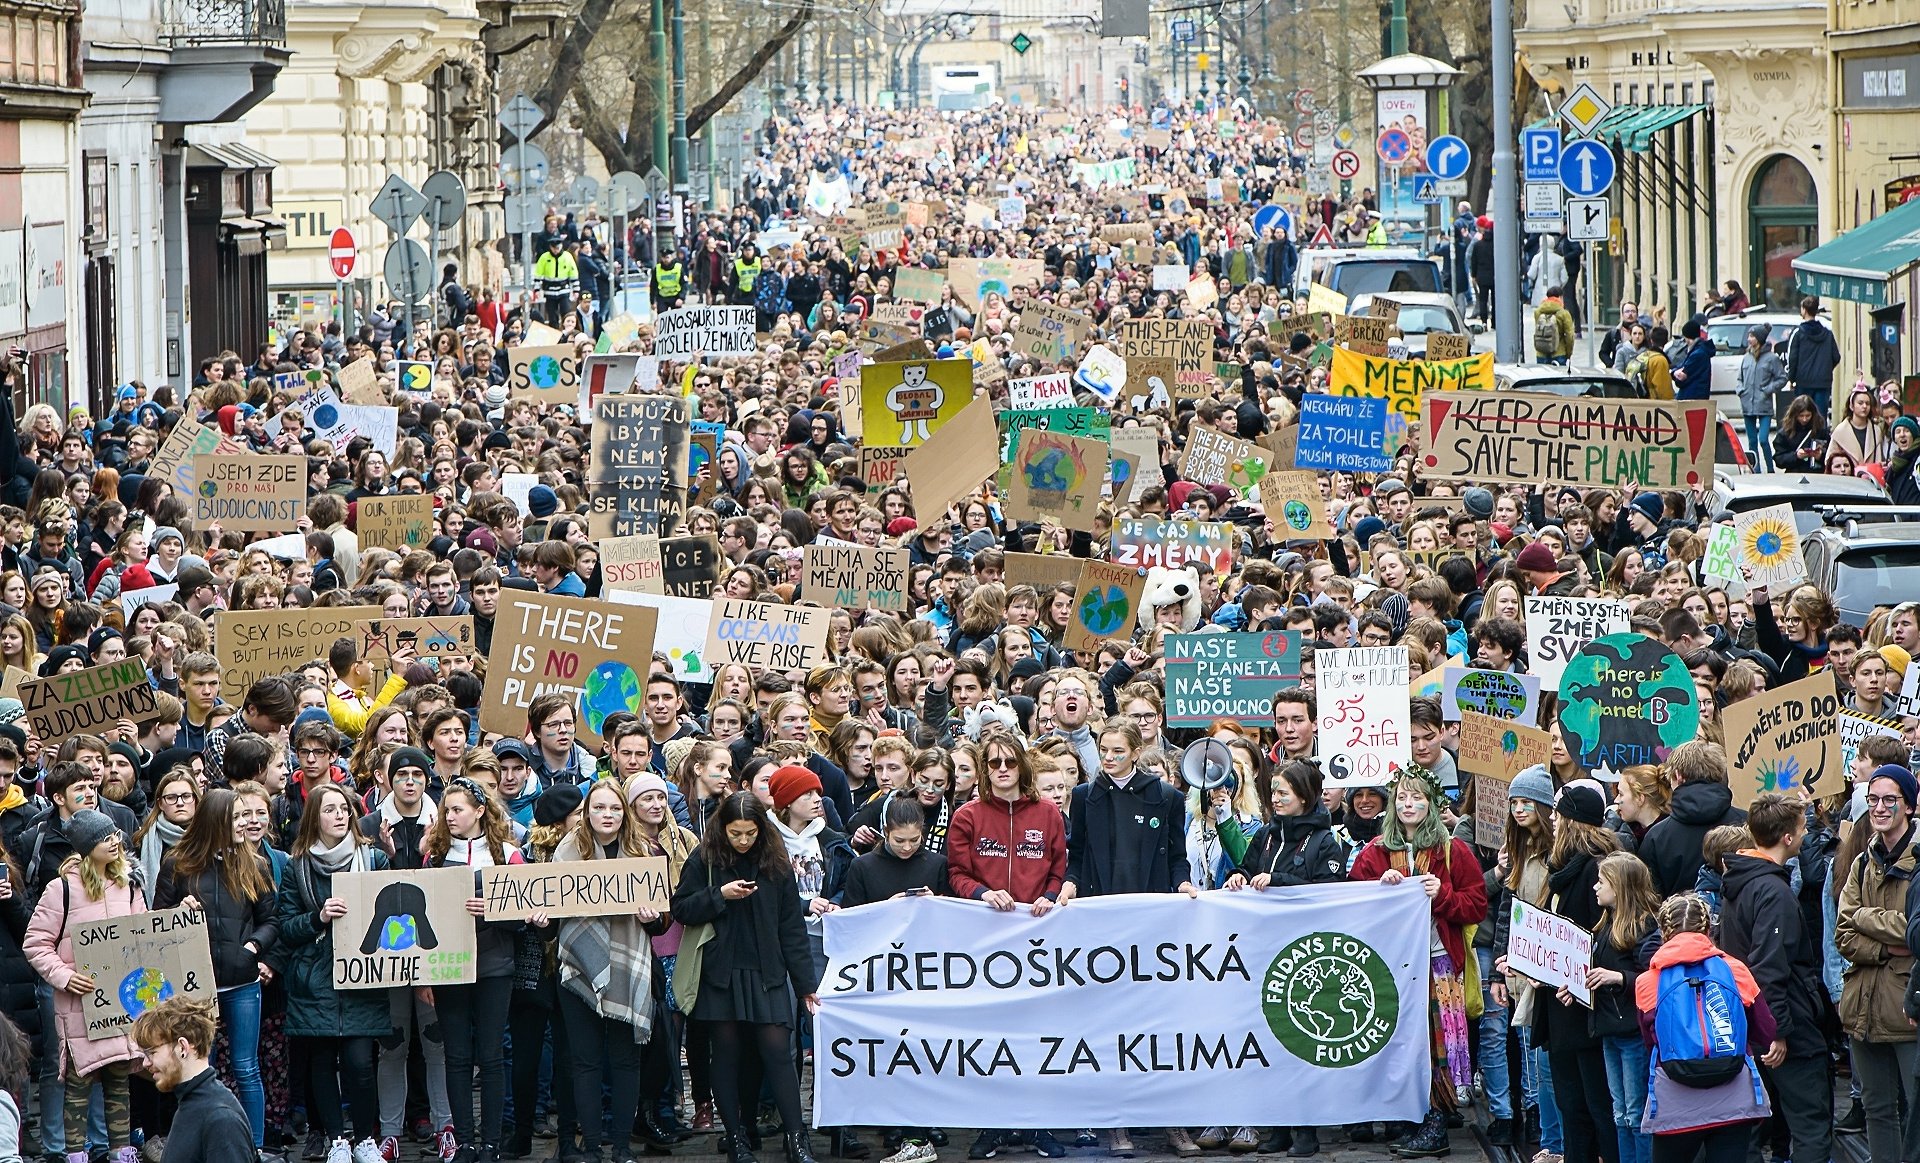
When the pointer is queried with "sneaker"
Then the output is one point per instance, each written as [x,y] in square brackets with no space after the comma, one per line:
[1212,1138]
[986,1145]
[1545,1157]
[1854,1122]
[267,1155]
[316,1144]
[1047,1146]
[340,1152]
[447,1144]
[1243,1141]
[390,1148]
[153,1150]
[367,1151]
[1086,1138]
[913,1151]
[1181,1143]
[1120,1143]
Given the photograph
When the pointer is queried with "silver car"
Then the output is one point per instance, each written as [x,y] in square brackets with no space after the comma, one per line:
[1421,314]
[1729,336]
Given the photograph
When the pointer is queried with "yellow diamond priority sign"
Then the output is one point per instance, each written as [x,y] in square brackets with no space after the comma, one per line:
[1585,108]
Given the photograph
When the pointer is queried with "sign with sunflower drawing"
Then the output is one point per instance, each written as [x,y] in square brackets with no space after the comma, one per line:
[1770,546]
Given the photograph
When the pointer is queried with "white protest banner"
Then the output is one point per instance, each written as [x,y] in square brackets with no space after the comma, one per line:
[1770,546]
[380,425]
[766,635]
[1051,391]
[1363,733]
[131,600]
[1170,276]
[1550,949]
[1907,704]
[685,332]
[1558,627]
[1258,1008]
[139,961]
[855,577]
[681,633]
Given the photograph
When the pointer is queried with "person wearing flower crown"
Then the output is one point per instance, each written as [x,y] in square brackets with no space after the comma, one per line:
[1414,845]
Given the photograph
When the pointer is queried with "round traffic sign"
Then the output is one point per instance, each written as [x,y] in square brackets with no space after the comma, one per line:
[1303,101]
[342,252]
[1274,216]
[446,197]
[1394,146]
[1448,157]
[1303,133]
[1346,165]
[406,271]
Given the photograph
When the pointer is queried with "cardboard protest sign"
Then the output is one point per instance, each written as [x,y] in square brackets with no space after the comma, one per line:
[1496,694]
[540,334]
[1401,383]
[1785,739]
[437,641]
[1048,391]
[1550,949]
[1105,604]
[548,375]
[1627,699]
[681,632]
[1044,569]
[89,701]
[631,563]
[10,681]
[1770,546]
[1057,478]
[1500,747]
[880,466]
[399,522]
[593,651]
[961,455]
[1142,443]
[1557,627]
[1722,563]
[137,962]
[1228,676]
[849,577]
[1292,499]
[611,372]
[918,285]
[717,331]
[1214,458]
[576,888]
[189,438]
[256,644]
[359,384]
[767,635]
[1852,727]
[1094,423]
[1531,438]
[1366,334]
[690,566]
[1049,332]
[1141,543]
[1445,345]
[1363,731]
[637,473]
[1186,342]
[973,279]
[1490,810]
[405,927]
[251,493]
[1121,471]
[903,404]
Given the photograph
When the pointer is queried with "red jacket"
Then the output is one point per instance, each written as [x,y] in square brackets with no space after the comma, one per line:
[1462,900]
[1020,848]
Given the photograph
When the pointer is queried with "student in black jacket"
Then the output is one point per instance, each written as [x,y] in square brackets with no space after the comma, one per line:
[208,1124]
[900,864]
[1560,1022]
[1701,802]
[1624,942]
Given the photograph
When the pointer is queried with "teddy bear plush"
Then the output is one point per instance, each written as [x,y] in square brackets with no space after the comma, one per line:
[1168,587]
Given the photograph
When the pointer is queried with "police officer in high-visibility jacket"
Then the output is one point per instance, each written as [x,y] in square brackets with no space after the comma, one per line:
[559,279]
[670,281]
[746,274]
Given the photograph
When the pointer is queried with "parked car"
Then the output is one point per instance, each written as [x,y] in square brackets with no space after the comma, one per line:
[1376,275]
[1315,262]
[1806,493]
[1421,314]
[1564,381]
[1729,336]
[1864,565]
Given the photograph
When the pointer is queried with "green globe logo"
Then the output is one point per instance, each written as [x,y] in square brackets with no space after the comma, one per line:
[1330,999]
[544,372]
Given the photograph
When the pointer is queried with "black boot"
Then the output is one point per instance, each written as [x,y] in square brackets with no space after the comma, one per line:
[1429,1142]
[847,1145]
[737,1151]
[1278,1140]
[1306,1142]
[799,1150]
[658,1141]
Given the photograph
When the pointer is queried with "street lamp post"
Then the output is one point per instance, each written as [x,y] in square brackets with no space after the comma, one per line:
[678,153]
[662,98]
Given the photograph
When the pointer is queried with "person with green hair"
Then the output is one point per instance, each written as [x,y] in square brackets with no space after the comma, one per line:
[1414,846]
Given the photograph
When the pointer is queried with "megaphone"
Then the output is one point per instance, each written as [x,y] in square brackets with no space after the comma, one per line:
[1208,764]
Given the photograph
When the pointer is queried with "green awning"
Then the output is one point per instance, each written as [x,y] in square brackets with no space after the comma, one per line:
[1857,265]
[1631,127]
[1608,131]
[1645,128]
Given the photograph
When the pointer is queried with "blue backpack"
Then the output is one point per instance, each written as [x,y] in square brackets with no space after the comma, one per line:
[1700,1026]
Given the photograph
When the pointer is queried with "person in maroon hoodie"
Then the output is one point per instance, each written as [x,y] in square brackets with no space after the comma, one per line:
[1008,848]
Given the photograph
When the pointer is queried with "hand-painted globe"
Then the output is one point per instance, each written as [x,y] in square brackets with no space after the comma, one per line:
[544,372]
[612,686]
[142,989]
[398,933]
[1298,516]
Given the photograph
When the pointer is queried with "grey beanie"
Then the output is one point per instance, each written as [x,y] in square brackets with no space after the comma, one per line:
[87,829]
[1533,784]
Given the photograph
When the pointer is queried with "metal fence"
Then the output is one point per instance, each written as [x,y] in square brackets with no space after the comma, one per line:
[189,22]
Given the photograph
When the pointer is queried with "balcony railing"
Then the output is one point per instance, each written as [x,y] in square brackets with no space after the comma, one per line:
[191,22]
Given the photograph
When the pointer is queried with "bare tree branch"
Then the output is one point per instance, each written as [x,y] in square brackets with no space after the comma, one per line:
[569,61]
[698,116]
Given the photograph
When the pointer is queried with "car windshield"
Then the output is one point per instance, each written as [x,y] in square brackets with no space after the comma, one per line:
[1379,278]
[1421,320]
[1869,577]
[1574,385]
[1728,338]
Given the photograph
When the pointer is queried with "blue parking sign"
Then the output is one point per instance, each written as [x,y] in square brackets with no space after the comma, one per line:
[1540,154]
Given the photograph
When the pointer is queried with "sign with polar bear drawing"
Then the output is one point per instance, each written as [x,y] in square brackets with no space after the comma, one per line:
[902,404]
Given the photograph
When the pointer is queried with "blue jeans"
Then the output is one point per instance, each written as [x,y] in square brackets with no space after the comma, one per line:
[1538,1076]
[1760,441]
[1627,1080]
[240,1011]
[1493,1044]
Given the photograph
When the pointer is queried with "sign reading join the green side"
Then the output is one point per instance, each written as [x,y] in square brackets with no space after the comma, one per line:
[1228,676]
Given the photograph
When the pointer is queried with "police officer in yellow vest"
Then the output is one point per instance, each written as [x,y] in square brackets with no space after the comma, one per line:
[1376,229]
[746,274]
[669,282]
[559,278]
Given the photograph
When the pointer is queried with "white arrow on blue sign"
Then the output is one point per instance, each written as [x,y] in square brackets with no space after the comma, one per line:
[1540,154]
[1274,216]
[1586,168]
[1448,157]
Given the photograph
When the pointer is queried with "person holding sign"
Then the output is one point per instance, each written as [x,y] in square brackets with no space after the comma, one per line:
[95,883]
[1414,845]
[740,882]
[611,984]
[474,830]
[217,872]
[335,1028]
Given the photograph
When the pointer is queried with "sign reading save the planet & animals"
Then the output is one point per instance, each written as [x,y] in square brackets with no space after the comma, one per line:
[137,962]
